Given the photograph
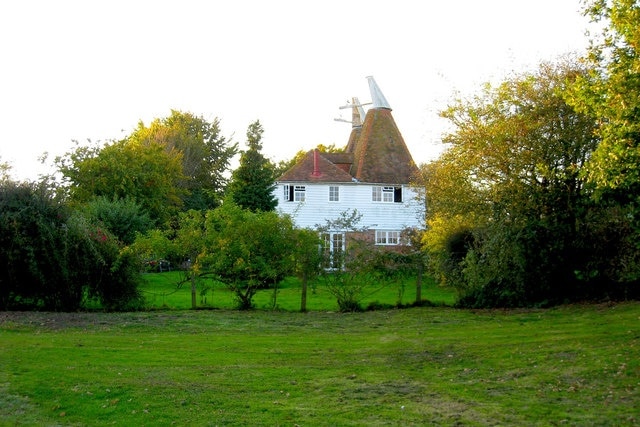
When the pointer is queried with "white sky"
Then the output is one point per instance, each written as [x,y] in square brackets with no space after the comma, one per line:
[93,69]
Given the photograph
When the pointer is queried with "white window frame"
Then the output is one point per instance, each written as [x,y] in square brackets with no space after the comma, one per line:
[386,194]
[376,194]
[299,193]
[333,244]
[334,193]
[387,237]
[287,196]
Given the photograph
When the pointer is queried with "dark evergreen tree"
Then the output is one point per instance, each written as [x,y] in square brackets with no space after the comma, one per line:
[252,183]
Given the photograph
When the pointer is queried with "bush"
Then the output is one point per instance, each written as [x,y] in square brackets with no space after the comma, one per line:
[51,260]
[124,218]
[33,271]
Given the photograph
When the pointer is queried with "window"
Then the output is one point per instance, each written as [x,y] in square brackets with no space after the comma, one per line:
[299,193]
[333,247]
[294,193]
[377,194]
[387,194]
[385,237]
[334,193]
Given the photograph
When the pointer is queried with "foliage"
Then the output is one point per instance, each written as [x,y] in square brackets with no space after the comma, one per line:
[244,250]
[124,218]
[52,260]
[247,250]
[350,271]
[107,272]
[609,248]
[5,171]
[252,183]
[611,93]
[160,292]
[308,260]
[205,155]
[516,158]
[33,267]
[143,172]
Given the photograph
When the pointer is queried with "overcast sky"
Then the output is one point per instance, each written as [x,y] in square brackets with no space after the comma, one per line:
[78,70]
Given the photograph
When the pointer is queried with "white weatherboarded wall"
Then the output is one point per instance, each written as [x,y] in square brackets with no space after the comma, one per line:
[317,208]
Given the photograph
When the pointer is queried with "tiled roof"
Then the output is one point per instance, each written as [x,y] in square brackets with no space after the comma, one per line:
[380,153]
[375,152]
[316,167]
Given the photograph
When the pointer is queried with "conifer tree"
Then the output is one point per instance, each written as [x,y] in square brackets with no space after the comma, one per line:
[252,183]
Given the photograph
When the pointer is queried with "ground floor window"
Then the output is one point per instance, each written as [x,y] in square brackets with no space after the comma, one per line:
[387,237]
[333,245]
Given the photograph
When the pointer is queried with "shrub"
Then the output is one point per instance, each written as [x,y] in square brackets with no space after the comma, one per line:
[51,260]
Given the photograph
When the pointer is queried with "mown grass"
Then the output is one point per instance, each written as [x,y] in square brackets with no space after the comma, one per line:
[161,291]
[571,365]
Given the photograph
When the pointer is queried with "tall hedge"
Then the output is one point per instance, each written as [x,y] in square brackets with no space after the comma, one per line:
[52,260]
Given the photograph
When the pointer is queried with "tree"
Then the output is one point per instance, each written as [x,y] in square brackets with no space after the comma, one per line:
[123,217]
[611,94]
[345,271]
[5,171]
[146,173]
[189,245]
[247,250]
[206,154]
[308,260]
[52,259]
[252,183]
[517,156]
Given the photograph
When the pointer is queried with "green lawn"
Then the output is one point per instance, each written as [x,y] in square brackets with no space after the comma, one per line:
[571,365]
[160,291]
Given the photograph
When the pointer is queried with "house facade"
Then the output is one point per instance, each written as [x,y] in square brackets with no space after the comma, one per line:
[372,176]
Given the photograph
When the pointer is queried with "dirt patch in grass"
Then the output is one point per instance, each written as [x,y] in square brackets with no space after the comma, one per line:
[79,320]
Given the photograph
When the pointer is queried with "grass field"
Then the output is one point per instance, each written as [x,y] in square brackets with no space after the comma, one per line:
[160,291]
[571,365]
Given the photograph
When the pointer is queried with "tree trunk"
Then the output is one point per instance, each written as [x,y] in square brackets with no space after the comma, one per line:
[303,300]
[419,284]
[193,290]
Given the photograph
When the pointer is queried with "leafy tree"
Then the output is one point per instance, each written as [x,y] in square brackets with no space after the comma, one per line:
[32,262]
[5,171]
[252,183]
[346,273]
[308,260]
[611,93]
[247,250]
[188,244]
[206,154]
[123,217]
[146,173]
[516,158]
[95,260]
[52,260]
